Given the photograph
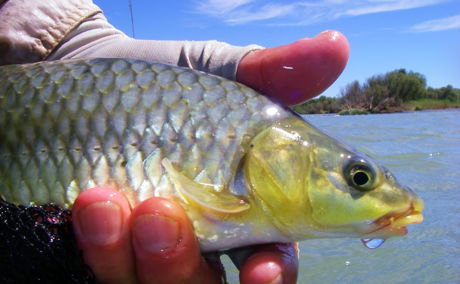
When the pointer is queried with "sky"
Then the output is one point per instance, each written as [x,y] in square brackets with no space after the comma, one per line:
[384,35]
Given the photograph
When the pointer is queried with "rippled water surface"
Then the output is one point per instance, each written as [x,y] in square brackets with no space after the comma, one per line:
[423,150]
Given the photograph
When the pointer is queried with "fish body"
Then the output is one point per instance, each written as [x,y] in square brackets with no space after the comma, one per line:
[245,169]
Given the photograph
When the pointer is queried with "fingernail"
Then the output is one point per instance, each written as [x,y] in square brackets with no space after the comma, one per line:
[272,272]
[277,280]
[101,222]
[156,234]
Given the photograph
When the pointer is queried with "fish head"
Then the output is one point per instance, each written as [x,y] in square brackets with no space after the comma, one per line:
[314,186]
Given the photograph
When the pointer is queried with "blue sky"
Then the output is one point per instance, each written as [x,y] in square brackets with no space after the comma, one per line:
[384,35]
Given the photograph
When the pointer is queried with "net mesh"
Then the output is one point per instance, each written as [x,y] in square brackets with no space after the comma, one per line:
[37,246]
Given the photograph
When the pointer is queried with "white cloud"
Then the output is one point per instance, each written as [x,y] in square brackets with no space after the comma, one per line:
[387,6]
[300,12]
[443,24]
[219,7]
[264,12]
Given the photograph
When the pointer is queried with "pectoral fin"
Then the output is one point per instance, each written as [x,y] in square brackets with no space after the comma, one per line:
[204,195]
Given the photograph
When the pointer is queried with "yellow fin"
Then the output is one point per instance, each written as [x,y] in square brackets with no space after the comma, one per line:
[205,195]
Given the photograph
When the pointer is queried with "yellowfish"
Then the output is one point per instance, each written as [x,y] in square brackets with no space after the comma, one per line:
[246,170]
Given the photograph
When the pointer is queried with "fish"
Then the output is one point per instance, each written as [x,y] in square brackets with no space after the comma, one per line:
[245,169]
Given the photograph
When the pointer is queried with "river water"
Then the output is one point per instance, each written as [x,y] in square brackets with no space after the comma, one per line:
[422,149]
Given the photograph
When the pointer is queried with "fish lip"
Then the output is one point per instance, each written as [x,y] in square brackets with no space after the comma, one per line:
[394,223]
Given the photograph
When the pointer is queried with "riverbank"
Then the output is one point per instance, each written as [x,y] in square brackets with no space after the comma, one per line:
[396,91]
[422,104]
[318,107]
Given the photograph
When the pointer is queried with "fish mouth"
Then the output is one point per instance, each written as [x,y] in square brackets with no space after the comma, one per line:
[394,223]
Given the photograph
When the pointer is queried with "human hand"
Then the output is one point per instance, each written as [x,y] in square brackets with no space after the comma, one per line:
[110,233]
[293,73]
[155,243]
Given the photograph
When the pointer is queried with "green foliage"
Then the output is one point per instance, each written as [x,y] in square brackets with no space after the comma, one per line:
[428,103]
[320,105]
[384,92]
[381,93]
[448,93]
[353,111]
[406,86]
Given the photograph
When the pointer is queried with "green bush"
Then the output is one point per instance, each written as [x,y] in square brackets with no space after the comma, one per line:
[353,111]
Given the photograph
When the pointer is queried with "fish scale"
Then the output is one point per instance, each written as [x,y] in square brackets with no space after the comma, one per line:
[73,125]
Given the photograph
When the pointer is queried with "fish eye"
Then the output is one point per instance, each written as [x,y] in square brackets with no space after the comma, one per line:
[360,175]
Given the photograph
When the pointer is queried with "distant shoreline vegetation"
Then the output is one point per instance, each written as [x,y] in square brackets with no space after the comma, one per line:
[394,91]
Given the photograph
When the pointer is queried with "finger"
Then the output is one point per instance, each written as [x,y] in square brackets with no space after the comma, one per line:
[296,72]
[165,245]
[101,225]
[274,263]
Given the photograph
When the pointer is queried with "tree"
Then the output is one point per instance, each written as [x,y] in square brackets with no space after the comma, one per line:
[448,93]
[405,85]
[352,96]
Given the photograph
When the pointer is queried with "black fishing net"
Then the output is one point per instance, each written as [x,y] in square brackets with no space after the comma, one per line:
[37,246]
